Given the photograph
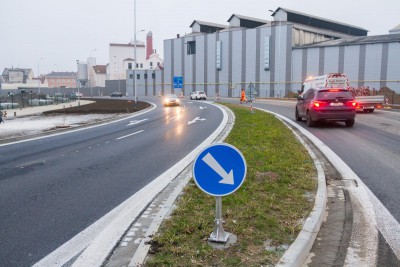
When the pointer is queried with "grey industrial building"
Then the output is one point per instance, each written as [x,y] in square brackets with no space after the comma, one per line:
[275,56]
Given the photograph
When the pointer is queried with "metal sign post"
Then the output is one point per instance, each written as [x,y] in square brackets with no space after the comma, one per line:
[251,93]
[218,235]
[219,170]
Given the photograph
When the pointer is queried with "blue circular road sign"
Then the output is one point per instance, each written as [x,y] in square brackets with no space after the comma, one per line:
[219,169]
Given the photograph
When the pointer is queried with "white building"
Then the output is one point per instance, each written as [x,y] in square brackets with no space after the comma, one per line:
[121,58]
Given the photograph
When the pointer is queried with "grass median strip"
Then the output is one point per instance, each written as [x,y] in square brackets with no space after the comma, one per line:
[265,213]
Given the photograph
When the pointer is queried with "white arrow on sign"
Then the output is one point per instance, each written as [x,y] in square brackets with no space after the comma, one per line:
[195,119]
[135,122]
[227,178]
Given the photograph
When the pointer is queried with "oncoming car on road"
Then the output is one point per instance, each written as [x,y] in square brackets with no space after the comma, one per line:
[198,95]
[326,104]
[171,100]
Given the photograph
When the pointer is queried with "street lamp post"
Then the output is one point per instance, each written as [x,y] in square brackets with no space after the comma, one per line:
[91,73]
[134,40]
[134,49]
[77,81]
[22,98]
[12,99]
[31,93]
[277,63]
[58,69]
[40,81]
[119,88]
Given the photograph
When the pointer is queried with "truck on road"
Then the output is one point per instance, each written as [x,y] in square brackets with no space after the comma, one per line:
[366,101]
[369,103]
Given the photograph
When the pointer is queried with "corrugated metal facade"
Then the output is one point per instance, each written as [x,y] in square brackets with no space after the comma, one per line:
[242,57]
[243,62]
[374,64]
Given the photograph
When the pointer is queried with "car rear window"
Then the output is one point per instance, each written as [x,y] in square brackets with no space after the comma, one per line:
[329,94]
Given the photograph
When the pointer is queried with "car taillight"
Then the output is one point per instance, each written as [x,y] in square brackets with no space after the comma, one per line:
[318,104]
[351,103]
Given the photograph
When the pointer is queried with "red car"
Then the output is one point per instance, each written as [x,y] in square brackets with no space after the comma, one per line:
[326,104]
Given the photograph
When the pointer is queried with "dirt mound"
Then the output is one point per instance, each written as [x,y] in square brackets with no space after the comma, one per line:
[391,96]
[103,106]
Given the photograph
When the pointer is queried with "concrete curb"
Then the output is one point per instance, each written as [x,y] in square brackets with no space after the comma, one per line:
[140,255]
[300,248]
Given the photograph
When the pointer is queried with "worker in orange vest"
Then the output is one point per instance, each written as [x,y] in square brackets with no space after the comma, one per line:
[243,96]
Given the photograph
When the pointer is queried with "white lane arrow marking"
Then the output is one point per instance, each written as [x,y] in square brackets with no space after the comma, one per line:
[196,119]
[227,178]
[136,122]
[202,107]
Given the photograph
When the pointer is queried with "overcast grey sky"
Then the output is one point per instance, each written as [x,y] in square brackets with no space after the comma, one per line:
[61,32]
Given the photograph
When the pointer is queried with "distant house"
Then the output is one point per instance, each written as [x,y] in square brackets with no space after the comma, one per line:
[154,61]
[19,78]
[16,75]
[61,79]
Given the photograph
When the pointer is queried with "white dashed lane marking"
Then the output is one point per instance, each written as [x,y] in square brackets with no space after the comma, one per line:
[125,136]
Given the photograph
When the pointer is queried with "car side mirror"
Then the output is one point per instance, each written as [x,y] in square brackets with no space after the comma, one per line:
[300,98]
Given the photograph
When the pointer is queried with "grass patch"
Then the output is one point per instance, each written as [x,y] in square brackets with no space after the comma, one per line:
[267,210]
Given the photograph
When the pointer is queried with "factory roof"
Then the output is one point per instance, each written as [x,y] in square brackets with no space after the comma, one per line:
[387,38]
[323,23]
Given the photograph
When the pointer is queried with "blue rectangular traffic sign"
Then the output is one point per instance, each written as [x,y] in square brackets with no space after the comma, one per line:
[178,82]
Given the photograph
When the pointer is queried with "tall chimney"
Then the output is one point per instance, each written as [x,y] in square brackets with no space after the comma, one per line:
[149,44]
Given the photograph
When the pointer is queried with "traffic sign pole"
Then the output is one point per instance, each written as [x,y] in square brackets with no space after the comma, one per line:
[218,235]
[219,170]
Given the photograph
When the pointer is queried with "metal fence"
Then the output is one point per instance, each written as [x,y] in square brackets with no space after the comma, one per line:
[23,99]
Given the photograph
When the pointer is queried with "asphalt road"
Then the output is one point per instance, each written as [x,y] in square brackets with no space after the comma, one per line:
[53,188]
[371,148]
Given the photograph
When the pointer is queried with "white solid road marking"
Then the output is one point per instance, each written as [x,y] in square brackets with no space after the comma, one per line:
[227,178]
[129,135]
[136,122]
